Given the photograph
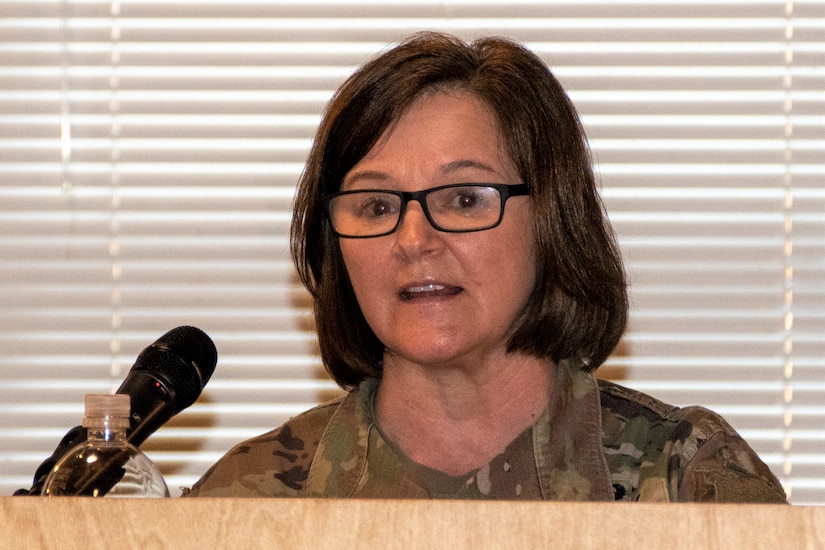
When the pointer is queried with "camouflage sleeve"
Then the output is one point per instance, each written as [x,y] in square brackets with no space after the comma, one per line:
[714,463]
[275,464]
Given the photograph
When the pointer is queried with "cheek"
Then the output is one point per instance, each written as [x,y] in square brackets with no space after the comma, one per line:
[515,264]
[362,267]
[519,268]
[351,260]
[501,269]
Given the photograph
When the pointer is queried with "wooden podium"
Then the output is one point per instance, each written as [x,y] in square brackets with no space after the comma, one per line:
[205,524]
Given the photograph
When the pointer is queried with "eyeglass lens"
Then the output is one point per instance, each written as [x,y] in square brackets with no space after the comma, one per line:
[450,208]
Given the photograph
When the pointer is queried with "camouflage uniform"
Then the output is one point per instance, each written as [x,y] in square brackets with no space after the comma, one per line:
[597,441]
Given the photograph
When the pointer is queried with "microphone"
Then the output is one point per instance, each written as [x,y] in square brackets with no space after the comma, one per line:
[167,377]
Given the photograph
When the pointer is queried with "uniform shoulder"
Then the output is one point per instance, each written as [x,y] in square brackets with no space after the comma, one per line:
[631,403]
[686,454]
[273,464]
[694,423]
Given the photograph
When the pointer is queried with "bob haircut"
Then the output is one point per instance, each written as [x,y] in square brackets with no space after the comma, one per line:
[578,308]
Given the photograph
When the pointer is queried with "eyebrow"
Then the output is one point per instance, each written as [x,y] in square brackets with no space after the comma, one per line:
[466,163]
[368,175]
[450,167]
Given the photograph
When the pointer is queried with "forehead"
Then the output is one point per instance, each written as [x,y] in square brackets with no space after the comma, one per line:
[444,129]
[435,104]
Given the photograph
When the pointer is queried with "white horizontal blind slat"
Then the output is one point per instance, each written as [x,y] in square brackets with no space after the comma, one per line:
[183,127]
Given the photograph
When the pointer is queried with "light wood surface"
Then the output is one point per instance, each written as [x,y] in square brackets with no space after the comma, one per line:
[204,524]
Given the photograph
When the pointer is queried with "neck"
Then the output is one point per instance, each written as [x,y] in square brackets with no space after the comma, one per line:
[456,420]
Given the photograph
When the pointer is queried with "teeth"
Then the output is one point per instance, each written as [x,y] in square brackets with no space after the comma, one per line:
[425,288]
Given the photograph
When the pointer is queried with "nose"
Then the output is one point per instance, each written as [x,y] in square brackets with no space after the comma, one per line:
[415,235]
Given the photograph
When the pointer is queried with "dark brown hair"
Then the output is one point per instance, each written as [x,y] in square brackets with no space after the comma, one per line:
[579,305]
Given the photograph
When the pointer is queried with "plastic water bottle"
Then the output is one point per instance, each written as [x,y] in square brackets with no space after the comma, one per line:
[106,464]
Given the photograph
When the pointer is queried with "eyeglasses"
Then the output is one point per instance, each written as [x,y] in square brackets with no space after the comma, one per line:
[456,208]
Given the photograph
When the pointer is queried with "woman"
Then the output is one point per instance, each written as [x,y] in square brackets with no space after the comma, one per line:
[466,285]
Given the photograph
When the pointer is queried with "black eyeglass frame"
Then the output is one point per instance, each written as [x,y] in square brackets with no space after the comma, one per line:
[505,191]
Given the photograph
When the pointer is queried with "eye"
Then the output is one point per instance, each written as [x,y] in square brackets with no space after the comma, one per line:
[468,199]
[377,206]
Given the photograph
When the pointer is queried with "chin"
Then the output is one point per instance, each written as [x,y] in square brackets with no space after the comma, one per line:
[433,355]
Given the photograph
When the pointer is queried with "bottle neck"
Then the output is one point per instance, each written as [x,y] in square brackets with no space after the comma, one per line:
[105,433]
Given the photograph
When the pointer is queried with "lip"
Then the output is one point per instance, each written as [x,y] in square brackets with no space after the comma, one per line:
[428,289]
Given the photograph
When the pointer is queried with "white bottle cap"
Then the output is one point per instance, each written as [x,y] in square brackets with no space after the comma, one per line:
[107,410]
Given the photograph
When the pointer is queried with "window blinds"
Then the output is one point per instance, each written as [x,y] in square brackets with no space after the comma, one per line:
[149,152]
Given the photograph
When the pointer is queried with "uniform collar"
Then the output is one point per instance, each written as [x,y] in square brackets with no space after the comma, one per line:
[567,442]
[567,439]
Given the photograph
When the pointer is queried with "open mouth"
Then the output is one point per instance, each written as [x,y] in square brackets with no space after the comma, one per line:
[429,291]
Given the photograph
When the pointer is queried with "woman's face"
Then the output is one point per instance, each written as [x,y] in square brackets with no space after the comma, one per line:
[433,297]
